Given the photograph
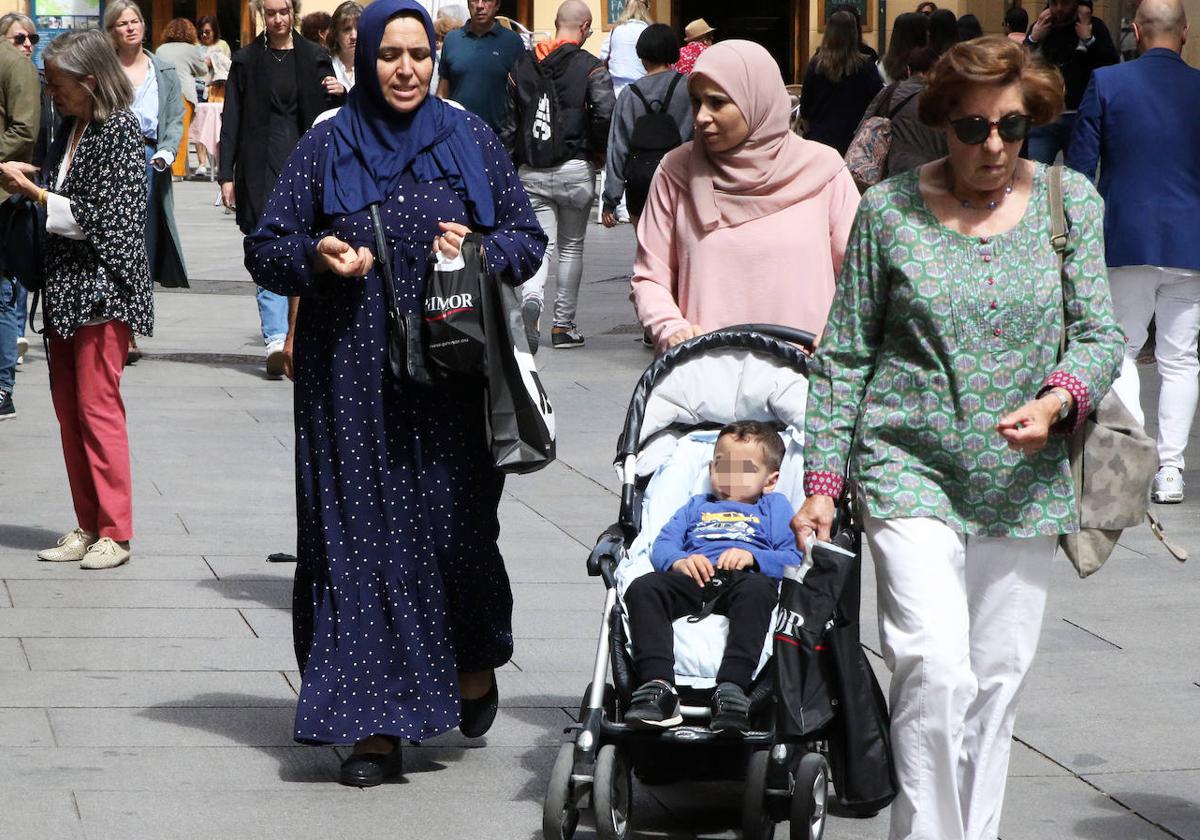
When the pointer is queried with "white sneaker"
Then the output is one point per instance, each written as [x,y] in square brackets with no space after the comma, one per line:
[105,553]
[1168,486]
[22,349]
[70,549]
[275,360]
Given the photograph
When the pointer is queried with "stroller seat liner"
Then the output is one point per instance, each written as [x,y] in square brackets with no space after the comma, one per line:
[682,472]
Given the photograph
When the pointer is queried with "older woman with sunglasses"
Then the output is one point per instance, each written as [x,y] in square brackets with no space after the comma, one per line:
[939,391]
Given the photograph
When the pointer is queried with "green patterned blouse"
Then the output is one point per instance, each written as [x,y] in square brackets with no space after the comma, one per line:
[934,336]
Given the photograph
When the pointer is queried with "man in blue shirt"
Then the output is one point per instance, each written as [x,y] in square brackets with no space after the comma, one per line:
[1138,124]
[475,62]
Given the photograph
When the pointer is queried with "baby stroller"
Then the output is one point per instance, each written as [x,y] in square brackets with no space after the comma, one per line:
[749,372]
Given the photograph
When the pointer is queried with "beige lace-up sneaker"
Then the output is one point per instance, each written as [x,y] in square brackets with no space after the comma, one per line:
[70,548]
[106,553]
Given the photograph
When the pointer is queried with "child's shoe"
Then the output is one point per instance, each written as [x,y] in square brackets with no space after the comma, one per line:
[730,709]
[655,705]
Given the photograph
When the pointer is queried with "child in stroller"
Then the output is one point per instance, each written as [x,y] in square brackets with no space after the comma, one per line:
[722,552]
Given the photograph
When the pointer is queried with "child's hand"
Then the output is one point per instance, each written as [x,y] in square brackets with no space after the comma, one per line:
[734,559]
[695,566]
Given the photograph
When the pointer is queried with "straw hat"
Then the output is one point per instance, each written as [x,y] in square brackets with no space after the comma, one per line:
[696,29]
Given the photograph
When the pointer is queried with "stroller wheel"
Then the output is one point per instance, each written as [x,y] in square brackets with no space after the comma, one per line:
[810,798]
[612,794]
[560,815]
[756,819]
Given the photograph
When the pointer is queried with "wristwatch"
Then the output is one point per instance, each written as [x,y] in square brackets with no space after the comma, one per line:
[1064,407]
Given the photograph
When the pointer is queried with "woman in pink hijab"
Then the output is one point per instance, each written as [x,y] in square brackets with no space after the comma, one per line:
[747,222]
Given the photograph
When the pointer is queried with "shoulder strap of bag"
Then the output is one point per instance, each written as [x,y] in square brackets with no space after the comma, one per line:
[891,114]
[885,104]
[383,257]
[637,92]
[1058,241]
[666,103]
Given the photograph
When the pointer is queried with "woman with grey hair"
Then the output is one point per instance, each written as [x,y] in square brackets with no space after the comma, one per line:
[158,105]
[97,284]
[274,93]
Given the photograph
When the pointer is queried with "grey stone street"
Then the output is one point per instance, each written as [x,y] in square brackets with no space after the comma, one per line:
[155,701]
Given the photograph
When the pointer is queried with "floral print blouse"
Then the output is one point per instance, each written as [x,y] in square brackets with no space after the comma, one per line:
[934,336]
[106,274]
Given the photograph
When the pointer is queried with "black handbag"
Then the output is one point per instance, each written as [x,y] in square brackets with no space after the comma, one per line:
[22,230]
[406,351]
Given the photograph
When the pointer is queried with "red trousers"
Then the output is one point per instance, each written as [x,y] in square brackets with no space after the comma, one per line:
[85,382]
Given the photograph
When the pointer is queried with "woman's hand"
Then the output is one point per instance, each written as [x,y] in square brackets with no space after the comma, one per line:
[333,87]
[338,257]
[1028,428]
[680,336]
[814,517]
[609,219]
[14,178]
[227,195]
[451,240]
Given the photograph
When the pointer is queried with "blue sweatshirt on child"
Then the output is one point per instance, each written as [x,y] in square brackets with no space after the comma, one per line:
[708,525]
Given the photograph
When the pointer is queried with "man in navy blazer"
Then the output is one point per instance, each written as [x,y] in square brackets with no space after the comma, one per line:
[1140,122]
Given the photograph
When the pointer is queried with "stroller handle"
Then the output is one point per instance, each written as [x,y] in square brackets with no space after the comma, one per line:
[775,339]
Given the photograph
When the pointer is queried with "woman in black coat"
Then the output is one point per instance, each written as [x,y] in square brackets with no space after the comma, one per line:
[274,93]
[839,84]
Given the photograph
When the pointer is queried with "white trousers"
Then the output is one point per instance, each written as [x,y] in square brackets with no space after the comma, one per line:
[959,620]
[1172,297]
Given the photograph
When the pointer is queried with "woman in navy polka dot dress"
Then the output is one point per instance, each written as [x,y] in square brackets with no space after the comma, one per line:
[402,606]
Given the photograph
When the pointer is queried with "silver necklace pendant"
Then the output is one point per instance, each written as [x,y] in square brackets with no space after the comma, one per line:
[991,205]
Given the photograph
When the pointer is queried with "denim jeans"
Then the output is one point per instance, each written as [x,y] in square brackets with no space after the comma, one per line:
[12,326]
[561,197]
[1046,141]
[273,313]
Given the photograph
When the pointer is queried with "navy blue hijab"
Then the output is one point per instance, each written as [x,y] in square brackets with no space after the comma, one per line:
[373,143]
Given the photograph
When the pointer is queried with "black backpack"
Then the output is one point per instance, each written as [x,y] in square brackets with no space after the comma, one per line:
[541,124]
[654,134]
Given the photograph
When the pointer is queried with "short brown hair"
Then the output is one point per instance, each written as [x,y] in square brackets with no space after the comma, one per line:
[756,431]
[994,60]
[179,31]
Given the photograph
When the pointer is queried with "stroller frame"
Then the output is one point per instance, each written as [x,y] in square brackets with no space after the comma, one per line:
[786,779]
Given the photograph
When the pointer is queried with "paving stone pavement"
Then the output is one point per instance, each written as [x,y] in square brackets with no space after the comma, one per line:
[155,701]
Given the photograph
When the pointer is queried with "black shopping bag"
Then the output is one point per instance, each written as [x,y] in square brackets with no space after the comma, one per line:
[860,747]
[520,417]
[453,313]
[808,597]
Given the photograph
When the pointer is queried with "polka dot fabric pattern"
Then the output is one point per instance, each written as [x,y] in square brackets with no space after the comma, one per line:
[935,335]
[400,581]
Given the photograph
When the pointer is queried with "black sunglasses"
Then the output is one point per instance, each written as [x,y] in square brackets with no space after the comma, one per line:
[20,38]
[976,130]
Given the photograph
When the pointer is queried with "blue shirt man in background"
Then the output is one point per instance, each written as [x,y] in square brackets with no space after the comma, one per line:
[475,61]
[1138,122]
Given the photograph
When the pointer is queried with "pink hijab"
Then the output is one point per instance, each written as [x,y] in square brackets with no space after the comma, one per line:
[772,168]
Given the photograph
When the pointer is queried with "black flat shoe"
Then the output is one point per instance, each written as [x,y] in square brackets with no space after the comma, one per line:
[479,714]
[371,769]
